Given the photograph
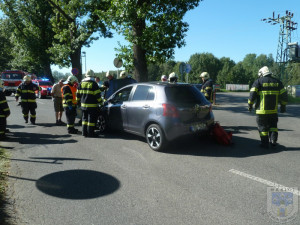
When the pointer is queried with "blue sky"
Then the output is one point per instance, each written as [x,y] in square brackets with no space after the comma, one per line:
[231,28]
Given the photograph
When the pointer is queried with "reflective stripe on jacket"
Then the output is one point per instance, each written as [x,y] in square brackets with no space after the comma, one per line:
[207,89]
[27,92]
[69,95]
[4,109]
[267,92]
[89,94]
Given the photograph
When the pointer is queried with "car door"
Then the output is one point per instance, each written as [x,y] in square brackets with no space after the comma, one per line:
[116,109]
[139,108]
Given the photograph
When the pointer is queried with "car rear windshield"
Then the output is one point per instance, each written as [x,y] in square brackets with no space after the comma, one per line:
[45,83]
[185,94]
[11,76]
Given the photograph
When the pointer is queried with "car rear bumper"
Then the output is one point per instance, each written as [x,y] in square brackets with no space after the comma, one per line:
[177,130]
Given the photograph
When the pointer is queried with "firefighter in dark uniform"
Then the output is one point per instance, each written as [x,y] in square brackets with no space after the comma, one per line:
[89,99]
[207,86]
[69,103]
[4,111]
[26,91]
[266,93]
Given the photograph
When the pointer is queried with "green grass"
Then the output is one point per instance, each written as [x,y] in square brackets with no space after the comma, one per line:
[4,165]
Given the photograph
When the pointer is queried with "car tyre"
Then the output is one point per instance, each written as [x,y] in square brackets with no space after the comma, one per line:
[155,137]
[101,123]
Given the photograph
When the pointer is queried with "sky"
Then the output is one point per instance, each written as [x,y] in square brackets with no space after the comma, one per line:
[231,28]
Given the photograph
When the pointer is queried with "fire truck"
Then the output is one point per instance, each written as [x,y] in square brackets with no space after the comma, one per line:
[12,79]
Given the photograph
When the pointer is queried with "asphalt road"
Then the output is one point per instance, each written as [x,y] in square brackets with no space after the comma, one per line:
[57,178]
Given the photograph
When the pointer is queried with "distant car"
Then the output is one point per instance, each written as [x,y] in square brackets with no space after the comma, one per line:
[158,111]
[46,87]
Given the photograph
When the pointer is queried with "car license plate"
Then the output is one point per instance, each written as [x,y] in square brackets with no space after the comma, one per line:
[197,127]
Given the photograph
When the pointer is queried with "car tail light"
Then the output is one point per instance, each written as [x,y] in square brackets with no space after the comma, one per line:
[170,111]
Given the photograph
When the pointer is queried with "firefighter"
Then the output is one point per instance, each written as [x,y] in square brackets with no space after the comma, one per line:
[164,78]
[266,93]
[4,111]
[26,91]
[173,77]
[89,98]
[69,103]
[207,86]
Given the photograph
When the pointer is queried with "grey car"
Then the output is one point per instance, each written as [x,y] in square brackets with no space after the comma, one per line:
[158,111]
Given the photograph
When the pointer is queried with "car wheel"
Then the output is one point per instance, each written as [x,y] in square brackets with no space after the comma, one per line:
[155,137]
[101,123]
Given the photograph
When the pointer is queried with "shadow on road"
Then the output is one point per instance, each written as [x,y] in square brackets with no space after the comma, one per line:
[206,146]
[49,160]
[75,184]
[78,184]
[38,138]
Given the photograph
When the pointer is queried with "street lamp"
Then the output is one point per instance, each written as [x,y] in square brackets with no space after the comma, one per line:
[84,55]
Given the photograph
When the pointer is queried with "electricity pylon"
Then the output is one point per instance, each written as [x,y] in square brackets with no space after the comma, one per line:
[286,28]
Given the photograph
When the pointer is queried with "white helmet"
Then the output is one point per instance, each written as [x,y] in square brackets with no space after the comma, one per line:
[1,83]
[204,75]
[72,79]
[173,77]
[164,78]
[123,74]
[108,74]
[27,78]
[264,71]
[90,73]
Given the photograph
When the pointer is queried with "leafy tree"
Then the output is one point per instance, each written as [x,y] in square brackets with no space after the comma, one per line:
[74,25]
[5,44]
[204,62]
[32,34]
[153,29]
[227,66]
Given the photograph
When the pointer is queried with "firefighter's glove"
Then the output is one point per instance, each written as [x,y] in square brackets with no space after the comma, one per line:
[282,109]
[70,107]
[250,107]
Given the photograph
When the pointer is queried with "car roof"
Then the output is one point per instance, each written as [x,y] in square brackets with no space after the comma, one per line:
[160,83]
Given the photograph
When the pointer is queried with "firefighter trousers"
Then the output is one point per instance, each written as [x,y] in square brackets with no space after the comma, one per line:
[267,128]
[71,116]
[2,125]
[29,107]
[89,120]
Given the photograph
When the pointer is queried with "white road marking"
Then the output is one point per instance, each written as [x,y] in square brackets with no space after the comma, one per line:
[263,181]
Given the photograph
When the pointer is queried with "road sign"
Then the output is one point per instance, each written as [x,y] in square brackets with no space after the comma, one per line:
[188,68]
[74,71]
[118,62]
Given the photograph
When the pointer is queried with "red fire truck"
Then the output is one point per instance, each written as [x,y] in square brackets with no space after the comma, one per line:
[12,79]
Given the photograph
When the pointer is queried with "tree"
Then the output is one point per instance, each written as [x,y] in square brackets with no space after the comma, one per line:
[153,29]
[5,44]
[32,35]
[74,25]
[227,69]
[204,62]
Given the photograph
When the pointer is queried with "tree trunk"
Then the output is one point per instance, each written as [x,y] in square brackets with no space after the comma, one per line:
[48,72]
[139,54]
[76,63]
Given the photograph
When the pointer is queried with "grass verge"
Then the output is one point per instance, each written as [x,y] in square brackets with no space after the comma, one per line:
[4,165]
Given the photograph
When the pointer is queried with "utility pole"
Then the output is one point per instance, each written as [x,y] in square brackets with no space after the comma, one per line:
[286,28]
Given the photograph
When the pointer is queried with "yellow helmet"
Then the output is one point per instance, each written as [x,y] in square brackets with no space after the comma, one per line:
[27,78]
[204,75]
[264,71]
[72,79]
[90,73]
